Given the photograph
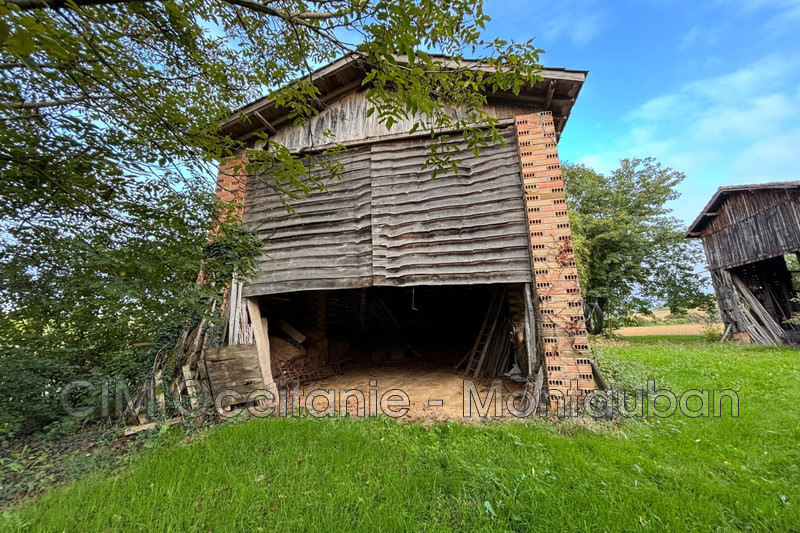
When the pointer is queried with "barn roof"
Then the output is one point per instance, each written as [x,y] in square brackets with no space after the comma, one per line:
[712,208]
[557,93]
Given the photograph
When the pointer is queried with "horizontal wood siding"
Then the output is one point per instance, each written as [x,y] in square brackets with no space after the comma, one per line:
[346,120]
[463,228]
[388,223]
[233,368]
[752,226]
[327,244]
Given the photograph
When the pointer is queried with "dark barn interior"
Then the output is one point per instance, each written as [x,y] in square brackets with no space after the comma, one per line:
[429,325]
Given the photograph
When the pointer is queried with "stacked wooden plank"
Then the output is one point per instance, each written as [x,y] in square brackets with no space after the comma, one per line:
[759,324]
[235,367]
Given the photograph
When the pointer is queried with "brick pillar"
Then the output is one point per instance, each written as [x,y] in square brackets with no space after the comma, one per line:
[231,182]
[560,322]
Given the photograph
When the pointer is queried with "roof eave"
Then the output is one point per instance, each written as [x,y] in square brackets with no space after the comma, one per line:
[253,113]
[710,210]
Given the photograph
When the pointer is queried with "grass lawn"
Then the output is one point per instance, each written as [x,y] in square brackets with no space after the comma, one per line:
[676,474]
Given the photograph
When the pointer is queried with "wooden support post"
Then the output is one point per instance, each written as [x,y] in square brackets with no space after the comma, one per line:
[191,390]
[261,337]
[530,330]
[234,302]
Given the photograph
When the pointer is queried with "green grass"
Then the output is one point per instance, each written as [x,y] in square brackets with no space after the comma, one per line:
[676,474]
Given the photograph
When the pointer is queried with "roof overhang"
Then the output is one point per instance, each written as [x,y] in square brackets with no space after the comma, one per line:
[712,207]
[556,92]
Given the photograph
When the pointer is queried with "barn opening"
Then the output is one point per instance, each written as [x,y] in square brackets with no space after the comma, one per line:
[423,340]
[432,326]
[775,285]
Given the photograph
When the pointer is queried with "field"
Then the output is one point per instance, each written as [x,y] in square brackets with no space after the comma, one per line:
[661,322]
[677,473]
[666,329]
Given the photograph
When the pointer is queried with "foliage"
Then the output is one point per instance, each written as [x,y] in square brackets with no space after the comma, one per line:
[347,475]
[795,319]
[109,139]
[630,252]
[90,305]
[30,466]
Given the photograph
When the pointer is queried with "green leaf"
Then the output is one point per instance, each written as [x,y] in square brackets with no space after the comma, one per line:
[4,31]
[21,43]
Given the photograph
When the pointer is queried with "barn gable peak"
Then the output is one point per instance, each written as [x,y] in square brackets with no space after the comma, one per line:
[556,92]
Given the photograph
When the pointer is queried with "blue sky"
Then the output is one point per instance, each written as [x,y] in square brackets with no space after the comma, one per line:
[709,88]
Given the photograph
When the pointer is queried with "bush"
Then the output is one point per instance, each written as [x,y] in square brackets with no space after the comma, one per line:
[711,334]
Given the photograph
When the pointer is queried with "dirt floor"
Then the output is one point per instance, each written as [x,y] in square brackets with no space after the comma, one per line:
[672,329]
[434,391]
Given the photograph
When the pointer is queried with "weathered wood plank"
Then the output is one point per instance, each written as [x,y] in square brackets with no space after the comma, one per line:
[261,337]
[389,219]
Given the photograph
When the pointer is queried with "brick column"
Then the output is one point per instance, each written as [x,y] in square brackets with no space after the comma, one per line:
[560,322]
[231,182]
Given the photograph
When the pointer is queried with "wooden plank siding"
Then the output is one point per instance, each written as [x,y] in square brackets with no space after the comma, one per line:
[752,226]
[386,222]
[327,244]
[464,228]
[347,121]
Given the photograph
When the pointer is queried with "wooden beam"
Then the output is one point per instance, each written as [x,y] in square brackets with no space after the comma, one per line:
[266,123]
[289,330]
[144,427]
[261,337]
[548,98]
[530,331]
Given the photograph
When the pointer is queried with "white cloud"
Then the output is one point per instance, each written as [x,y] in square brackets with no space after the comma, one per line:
[783,15]
[579,21]
[740,127]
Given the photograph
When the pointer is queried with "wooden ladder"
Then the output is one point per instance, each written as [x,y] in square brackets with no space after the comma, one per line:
[477,355]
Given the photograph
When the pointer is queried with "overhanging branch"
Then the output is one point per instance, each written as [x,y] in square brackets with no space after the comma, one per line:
[46,103]
[297,16]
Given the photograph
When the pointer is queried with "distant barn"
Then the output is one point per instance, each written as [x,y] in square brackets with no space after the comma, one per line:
[751,237]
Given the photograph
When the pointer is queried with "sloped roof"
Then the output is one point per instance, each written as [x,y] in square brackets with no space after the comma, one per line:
[711,209]
[557,93]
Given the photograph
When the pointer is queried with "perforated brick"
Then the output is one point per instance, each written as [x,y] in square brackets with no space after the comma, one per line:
[552,258]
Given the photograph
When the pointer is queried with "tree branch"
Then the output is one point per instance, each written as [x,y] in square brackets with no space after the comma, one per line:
[247,4]
[26,5]
[48,103]
[291,16]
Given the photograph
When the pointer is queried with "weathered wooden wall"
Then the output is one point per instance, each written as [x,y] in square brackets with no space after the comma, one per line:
[386,222]
[233,368]
[467,228]
[346,120]
[752,226]
[326,245]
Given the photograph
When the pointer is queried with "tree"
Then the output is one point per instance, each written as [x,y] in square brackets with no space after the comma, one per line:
[109,143]
[631,253]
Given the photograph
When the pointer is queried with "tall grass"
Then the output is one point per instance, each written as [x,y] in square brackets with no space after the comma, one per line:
[676,474]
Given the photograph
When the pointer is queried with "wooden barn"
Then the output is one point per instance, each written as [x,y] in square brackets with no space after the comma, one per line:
[751,238]
[471,270]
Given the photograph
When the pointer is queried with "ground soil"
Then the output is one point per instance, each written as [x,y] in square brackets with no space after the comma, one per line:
[421,382]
